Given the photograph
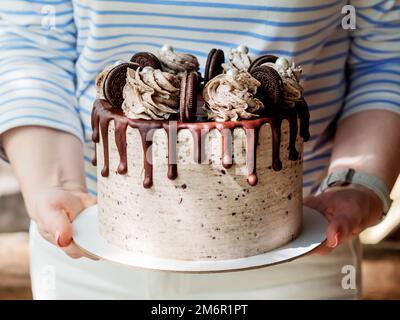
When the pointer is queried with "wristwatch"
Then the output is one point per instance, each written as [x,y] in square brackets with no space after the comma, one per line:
[350,176]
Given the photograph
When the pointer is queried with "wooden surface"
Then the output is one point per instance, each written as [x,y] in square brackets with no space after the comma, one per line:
[14,268]
[381,271]
[13,216]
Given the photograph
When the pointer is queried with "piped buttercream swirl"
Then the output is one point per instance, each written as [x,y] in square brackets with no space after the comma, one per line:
[290,74]
[150,94]
[230,96]
[238,59]
[177,63]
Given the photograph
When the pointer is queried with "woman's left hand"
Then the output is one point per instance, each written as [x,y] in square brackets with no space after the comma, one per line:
[349,211]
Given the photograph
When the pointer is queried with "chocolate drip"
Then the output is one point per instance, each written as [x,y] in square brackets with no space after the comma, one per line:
[197,144]
[304,116]
[227,134]
[276,143]
[172,161]
[94,159]
[103,113]
[120,141]
[95,134]
[293,128]
[198,134]
[147,141]
[104,122]
[251,154]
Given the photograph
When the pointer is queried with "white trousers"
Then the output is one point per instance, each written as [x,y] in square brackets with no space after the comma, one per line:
[56,276]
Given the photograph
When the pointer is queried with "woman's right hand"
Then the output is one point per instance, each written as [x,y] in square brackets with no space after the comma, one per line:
[49,167]
[54,211]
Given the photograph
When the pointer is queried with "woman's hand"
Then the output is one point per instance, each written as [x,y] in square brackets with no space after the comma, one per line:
[366,142]
[54,211]
[49,167]
[349,211]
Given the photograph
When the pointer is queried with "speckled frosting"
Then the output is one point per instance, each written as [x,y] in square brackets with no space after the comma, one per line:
[211,208]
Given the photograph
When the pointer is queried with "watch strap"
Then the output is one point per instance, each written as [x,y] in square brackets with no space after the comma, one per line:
[350,176]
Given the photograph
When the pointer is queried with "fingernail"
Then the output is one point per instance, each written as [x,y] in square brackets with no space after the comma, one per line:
[58,242]
[336,237]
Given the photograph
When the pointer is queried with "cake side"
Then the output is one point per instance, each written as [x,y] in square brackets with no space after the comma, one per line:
[208,211]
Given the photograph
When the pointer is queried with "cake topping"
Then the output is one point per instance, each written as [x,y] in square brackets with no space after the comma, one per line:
[101,77]
[114,83]
[150,94]
[177,63]
[146,59]
[188,97]
[237,59]
[261,60]
[290,74]
[231,96]
[271,90]
[214,63]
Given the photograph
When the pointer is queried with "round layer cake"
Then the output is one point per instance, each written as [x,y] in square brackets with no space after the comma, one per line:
[201,190]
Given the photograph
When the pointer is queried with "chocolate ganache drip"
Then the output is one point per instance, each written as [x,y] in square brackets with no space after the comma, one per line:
[103,113]
[152,95]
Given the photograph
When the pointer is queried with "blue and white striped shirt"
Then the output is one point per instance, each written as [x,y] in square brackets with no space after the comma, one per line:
[52,50]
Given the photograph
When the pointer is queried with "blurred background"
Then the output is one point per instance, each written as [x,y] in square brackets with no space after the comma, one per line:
[381,264]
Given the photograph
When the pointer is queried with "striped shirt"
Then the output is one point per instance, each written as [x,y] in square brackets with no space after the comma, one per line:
[52,50]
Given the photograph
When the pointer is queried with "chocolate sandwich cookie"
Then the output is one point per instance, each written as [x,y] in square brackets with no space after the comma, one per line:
[261,60]
[146,59]
[214,63]
[115,82]
[271,90]
[188,97]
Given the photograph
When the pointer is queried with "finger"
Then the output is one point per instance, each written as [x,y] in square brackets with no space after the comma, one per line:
[322,250]
[45,234]
[337,232]
[352,214]
[75,252]
[88,200]
[62,229]
[319,203]
[75,203]
[312,202]
[55,226]
[72,204]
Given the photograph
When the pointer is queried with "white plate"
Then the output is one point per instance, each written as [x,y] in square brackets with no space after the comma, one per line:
[87,237]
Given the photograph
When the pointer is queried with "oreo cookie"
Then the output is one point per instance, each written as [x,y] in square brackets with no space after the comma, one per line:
[271,90]
[146,59]
[214,63]
[188,97]
[261,60]
[115,82]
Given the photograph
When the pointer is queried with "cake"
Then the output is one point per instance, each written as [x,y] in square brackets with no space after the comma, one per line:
[195,168]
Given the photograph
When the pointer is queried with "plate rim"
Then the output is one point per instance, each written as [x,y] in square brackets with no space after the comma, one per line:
[306,211]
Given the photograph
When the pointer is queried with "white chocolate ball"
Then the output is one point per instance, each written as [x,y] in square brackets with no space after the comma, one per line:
[243,49]
[147,69]
[283,63]
[166,48]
